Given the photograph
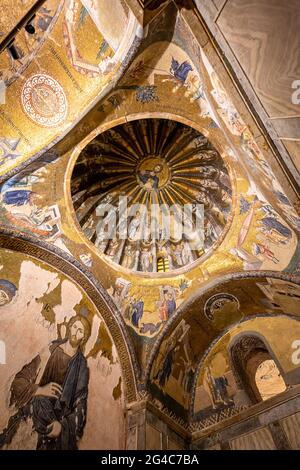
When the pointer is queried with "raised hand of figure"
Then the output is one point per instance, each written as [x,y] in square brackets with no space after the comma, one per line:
[55,429]
[51,390]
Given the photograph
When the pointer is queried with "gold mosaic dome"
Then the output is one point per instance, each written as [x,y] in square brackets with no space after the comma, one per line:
[152,163]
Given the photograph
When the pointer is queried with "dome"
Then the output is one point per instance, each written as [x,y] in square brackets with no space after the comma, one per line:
[168,180]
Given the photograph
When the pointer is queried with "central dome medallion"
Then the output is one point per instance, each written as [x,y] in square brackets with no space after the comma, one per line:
[152,173]
[175,187]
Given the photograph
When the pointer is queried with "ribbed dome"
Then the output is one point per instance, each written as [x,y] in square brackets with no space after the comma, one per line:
[152,162]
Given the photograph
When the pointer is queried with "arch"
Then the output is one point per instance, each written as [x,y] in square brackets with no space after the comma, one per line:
[220,336]
[250,349]
[197,301]
[202,293]
[65,263]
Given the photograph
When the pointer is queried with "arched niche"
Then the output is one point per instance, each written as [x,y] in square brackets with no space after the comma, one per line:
[48,295]
[248,364]
[255,366]
[199,323]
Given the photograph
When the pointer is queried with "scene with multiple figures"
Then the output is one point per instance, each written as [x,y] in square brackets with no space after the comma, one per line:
[149,225]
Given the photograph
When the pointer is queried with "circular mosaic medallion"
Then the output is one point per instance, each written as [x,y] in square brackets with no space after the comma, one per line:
[220,303]
[44,100]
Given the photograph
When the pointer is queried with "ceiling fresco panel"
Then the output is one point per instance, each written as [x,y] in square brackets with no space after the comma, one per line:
[57,77]
[53,306]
